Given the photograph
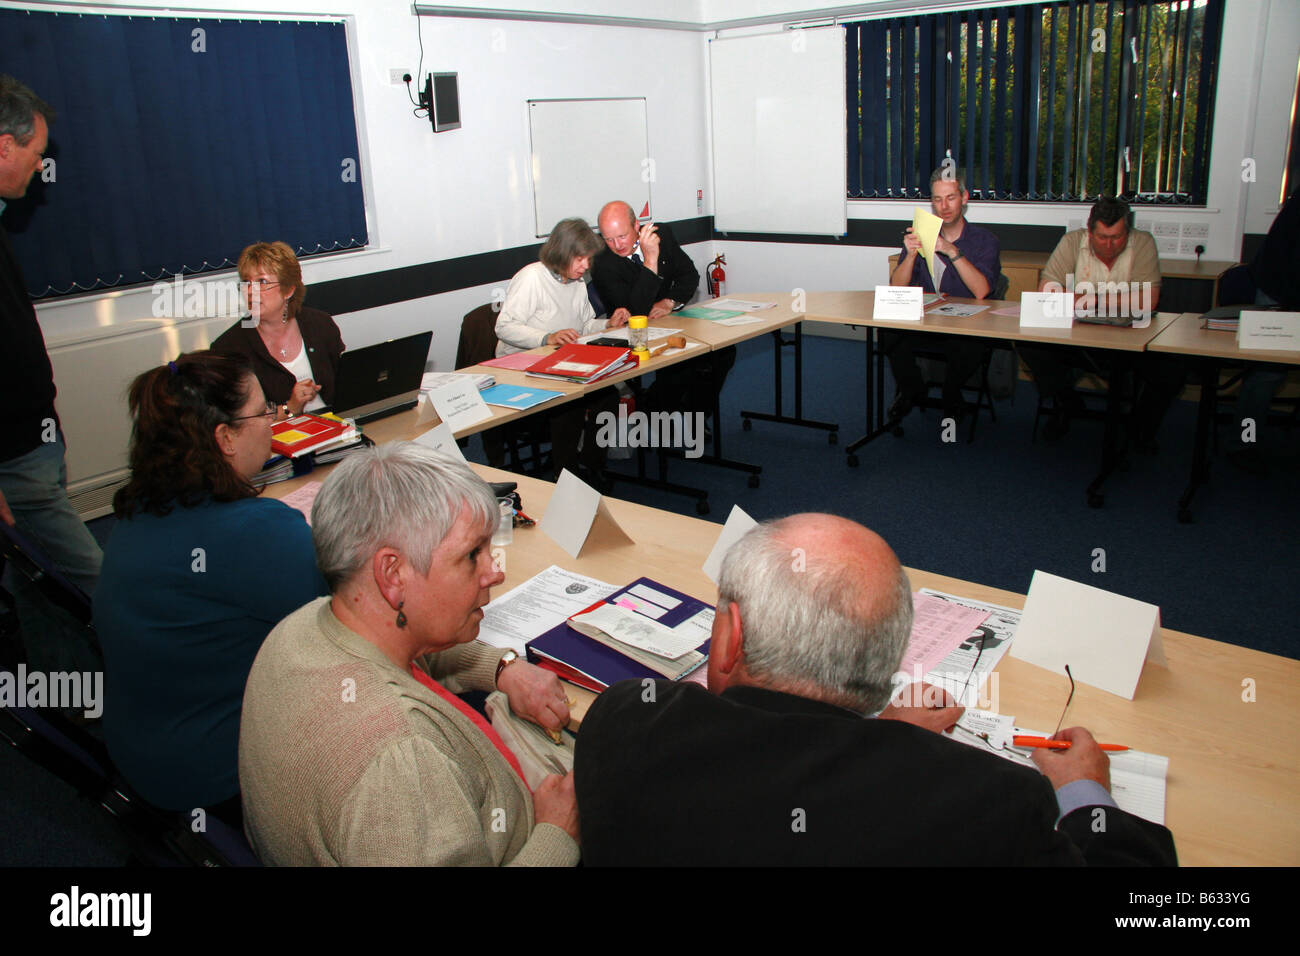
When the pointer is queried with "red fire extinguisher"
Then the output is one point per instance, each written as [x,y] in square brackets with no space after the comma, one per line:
[717,278]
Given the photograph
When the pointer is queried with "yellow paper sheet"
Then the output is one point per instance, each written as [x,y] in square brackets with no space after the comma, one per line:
[926,226]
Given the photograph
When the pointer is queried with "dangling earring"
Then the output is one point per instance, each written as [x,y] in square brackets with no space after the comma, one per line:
[284,316]
[401,618]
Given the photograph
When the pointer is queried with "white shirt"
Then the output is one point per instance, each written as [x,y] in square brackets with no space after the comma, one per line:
[300,369]
[538,303]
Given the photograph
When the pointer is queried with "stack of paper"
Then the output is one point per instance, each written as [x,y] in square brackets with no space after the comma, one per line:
[666,650]
[278,468]
[647,617]
[432,380]
[583,363]
[742,305]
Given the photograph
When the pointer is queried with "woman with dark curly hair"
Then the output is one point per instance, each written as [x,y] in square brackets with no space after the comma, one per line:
[197,572]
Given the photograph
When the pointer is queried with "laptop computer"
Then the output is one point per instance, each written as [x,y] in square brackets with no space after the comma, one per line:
[381,379]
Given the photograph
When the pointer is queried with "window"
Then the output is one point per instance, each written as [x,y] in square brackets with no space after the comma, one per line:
[180,141]
[1047,102]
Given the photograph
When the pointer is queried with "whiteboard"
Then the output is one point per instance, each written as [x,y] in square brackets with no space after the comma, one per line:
[586,153]
[779,138]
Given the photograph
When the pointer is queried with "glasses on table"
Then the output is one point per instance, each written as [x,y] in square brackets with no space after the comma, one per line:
[984,737]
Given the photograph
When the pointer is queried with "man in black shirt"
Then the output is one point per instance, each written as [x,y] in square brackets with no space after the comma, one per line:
[643,271]
[33,478]
[1276,271]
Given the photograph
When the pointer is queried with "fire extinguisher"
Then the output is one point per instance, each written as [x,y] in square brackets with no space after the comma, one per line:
[717,278]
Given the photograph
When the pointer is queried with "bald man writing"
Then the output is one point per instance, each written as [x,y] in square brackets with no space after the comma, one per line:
[795,755]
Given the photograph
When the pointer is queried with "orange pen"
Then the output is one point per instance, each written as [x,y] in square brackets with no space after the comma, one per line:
[1022,740]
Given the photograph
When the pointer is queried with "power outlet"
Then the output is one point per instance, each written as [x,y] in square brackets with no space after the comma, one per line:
[1143,225]
[1167,246]
[395,76]
[1169,229]
[1196,230]
[1188,246]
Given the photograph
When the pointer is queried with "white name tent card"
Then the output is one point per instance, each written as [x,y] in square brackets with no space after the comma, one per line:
[737,526]
[441,440]
[424,410]
[898,303]
[460,405]
[1269,330]
[577,514]
[1046,310]
[1104,637]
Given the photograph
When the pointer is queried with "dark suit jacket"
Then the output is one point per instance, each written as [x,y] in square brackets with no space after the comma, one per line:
[26,378]
[757,777]
[623,284]
[324,346]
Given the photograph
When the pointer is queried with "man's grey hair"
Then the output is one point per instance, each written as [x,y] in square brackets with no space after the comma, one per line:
[18,109]
[400,495]
[808,625]
[569,239]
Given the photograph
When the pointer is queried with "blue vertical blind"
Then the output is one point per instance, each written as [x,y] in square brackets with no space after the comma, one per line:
[178,142]
[1060,101]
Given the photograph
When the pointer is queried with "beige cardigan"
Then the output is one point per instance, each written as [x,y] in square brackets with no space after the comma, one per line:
[346,760]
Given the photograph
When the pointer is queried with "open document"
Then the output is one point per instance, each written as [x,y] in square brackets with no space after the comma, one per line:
[539,604]
[964,670]
[1137,779]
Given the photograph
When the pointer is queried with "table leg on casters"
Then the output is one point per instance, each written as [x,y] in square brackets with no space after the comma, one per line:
[1209,370]
[875,401]
[747,417]
[1112,451]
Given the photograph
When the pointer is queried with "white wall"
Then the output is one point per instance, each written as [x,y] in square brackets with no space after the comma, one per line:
[684,10]
[435,197]
[1251,118]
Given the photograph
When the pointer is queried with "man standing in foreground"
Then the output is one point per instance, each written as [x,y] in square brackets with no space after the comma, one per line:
[779,762]
[33,478]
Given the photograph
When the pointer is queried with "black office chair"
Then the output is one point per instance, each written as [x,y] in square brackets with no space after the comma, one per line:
[504,445]
[979,379]
[1237,288]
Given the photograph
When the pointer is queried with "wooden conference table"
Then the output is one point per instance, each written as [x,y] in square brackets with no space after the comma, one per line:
[1210,349]
[1233,796]
[1024,270]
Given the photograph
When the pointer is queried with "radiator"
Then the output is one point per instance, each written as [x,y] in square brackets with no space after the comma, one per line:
[93,371]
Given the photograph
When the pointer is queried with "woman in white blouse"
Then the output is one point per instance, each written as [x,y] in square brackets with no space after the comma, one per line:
[547,304]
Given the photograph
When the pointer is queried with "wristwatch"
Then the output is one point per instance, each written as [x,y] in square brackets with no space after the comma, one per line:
[959,254]
[508,658]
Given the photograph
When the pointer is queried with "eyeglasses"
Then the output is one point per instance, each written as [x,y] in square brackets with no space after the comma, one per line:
[987,741]
[269,414]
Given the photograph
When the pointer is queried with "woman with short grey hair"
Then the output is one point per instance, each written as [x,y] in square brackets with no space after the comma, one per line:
[354,748]
[547,304]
